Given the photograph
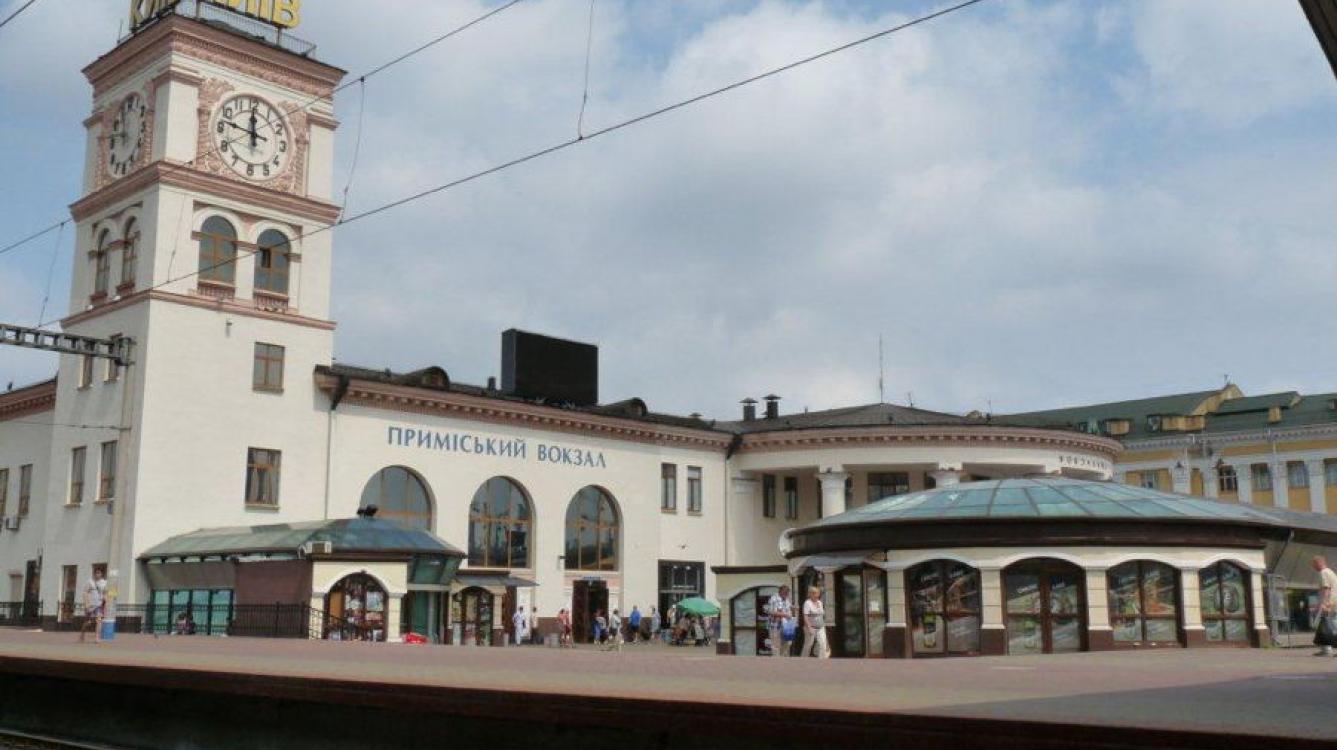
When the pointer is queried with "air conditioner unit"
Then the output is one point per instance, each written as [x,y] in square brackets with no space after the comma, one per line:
[12,523]
[318,548]
[1154,423]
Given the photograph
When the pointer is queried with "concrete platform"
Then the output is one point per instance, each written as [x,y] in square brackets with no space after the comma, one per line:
[1164,698]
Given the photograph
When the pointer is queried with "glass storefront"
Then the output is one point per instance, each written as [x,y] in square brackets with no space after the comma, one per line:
[749,625]
[471,617]
[190,612]
[360,601]
[1144,603]
[1044,604]
[944,608]
[1224,595]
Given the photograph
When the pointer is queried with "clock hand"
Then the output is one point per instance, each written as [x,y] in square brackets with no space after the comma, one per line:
[244,130]
[254,135]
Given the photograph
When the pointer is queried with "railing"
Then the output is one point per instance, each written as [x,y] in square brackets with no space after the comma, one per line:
[330,627]
[20,614]
[210,12]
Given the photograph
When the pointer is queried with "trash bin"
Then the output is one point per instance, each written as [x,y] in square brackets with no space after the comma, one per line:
[108,629]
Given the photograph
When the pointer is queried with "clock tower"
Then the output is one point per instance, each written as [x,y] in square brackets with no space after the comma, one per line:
[201,234]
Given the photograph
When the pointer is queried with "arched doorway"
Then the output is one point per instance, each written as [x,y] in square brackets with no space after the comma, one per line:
[1144,603]
[399,494]
[472,612]
[356,606]
[593,536]
[1044,607]
[1226,601]
[944,601]
[749,628]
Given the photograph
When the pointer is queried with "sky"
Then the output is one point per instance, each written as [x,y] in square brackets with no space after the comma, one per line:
[1033,204]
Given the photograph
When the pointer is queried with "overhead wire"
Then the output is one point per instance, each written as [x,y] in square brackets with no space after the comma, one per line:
[16,13]
[240,255]
[585,94]
[357,144]
[172,166]
[51,272]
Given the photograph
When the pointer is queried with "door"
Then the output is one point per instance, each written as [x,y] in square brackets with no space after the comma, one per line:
[476,617]
[851,625]
[1045,607]
[508,614]
[32,589]
[875,599]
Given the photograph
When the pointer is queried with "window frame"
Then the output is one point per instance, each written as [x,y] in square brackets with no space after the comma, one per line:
[1297,475]
[1260,476]
[267,269]
[85,371]
[25,490]
[694,489]
[1219,616]
[4,491]
[106,486]
[897,481]
[575,527]
[768,495]
[1142,617]
[386,503]
[263,479]
[129,255]
[791,498]
[263,361]
[102,264]
[216,265]
[1227,480]
[480,512]
[668,487]
[78,475]
[944,612]
[1149,479]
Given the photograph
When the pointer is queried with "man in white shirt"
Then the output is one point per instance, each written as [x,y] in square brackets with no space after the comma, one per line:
[814,625]
[1327,606]
[779,609]
[521,624]
[615,630]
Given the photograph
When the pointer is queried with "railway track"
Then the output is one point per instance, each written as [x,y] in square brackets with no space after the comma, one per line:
[11,740]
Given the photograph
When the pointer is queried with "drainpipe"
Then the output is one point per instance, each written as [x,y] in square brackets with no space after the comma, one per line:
[340,390]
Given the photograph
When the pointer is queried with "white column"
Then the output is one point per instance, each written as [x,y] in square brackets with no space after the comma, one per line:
[833,490]
[1244,482]
[1210,481]
[945,477]
[1280,486]
[1181,477]
[1317,502]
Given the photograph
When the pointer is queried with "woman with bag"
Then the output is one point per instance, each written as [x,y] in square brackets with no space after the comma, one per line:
[1325,632]
[814,625]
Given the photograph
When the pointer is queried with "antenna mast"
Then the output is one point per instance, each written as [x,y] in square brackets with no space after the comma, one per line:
[881,396]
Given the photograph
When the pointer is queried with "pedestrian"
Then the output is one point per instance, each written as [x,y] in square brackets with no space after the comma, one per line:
[95,599]
[814,625]
[615,630]
[634,624]
[521,625]
[600,626]
[535,637]
[1325,633]
[655,623]
[780,610]
[564,628]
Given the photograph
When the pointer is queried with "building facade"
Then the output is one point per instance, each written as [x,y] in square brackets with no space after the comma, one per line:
[202,237]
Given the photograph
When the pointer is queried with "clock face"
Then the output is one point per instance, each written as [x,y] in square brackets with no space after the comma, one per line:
[251,137]
[128,129]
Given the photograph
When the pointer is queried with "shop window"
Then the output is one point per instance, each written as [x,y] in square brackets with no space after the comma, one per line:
[1144,602]
[471,617]
[1044,607]
[791,498]
[271,262]
[768,495]
[1226,479]
[218,251]
[1262,477]
[1224,596]
[399,494]
[886,484]
[668,488]
[944,607]
[592,530]
[267,367]
[356,604]
[191,612]
[749,624]
[499,525]
[262,476]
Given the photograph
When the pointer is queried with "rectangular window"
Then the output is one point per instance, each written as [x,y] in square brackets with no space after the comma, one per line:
[1226,480]
[113,370]
[129,256]
[1262,477]
[102,273]
[85,371]
[262,476]
[25,489]
[1151,480]
[768,495]
[668,487]
[4,491]
[69,586]
[791,498]
[1296,474]
[693,489]
[1330,473]
[887,483]
[106,485]
[77,461]
[267,372]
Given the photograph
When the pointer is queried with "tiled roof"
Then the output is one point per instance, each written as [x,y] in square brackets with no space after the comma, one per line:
[868,415]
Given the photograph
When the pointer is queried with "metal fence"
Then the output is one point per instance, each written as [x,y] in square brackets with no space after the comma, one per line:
[20,614]
[210,12]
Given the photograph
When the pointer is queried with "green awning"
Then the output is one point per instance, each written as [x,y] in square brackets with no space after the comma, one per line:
[345,535]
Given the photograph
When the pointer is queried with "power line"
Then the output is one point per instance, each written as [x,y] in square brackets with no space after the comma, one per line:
[170,167]
[15,14]
[595,134]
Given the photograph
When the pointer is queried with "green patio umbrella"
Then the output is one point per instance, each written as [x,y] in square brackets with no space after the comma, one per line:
[698,606]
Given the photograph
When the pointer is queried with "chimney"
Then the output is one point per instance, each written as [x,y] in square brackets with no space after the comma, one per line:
[749,409]
[492,383]
[772,406]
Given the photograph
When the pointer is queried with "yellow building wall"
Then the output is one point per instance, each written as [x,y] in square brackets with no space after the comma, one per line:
[1195,483]
[1144,456]
[1262,497]
[1255,449]
[1298,498]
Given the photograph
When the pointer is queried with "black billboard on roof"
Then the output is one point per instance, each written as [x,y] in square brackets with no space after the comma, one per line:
[555,370]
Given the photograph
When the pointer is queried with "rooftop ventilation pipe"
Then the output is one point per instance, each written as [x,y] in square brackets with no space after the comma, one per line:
[772,406]
[749,409]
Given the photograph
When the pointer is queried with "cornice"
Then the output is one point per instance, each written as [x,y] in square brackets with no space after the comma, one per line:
[182,176]
[231,306]
[177,34]
[531,416]
[767,442]
[1298,432]
[33,399]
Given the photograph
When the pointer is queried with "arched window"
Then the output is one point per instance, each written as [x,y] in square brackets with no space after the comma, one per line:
[130,253]
[357,608]
[1224,594]
[102,263]
[399,495]
[1044,606]
[944,607]
[271,262]
[218,251]
[591,531]
[1144,602]
[499,523]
